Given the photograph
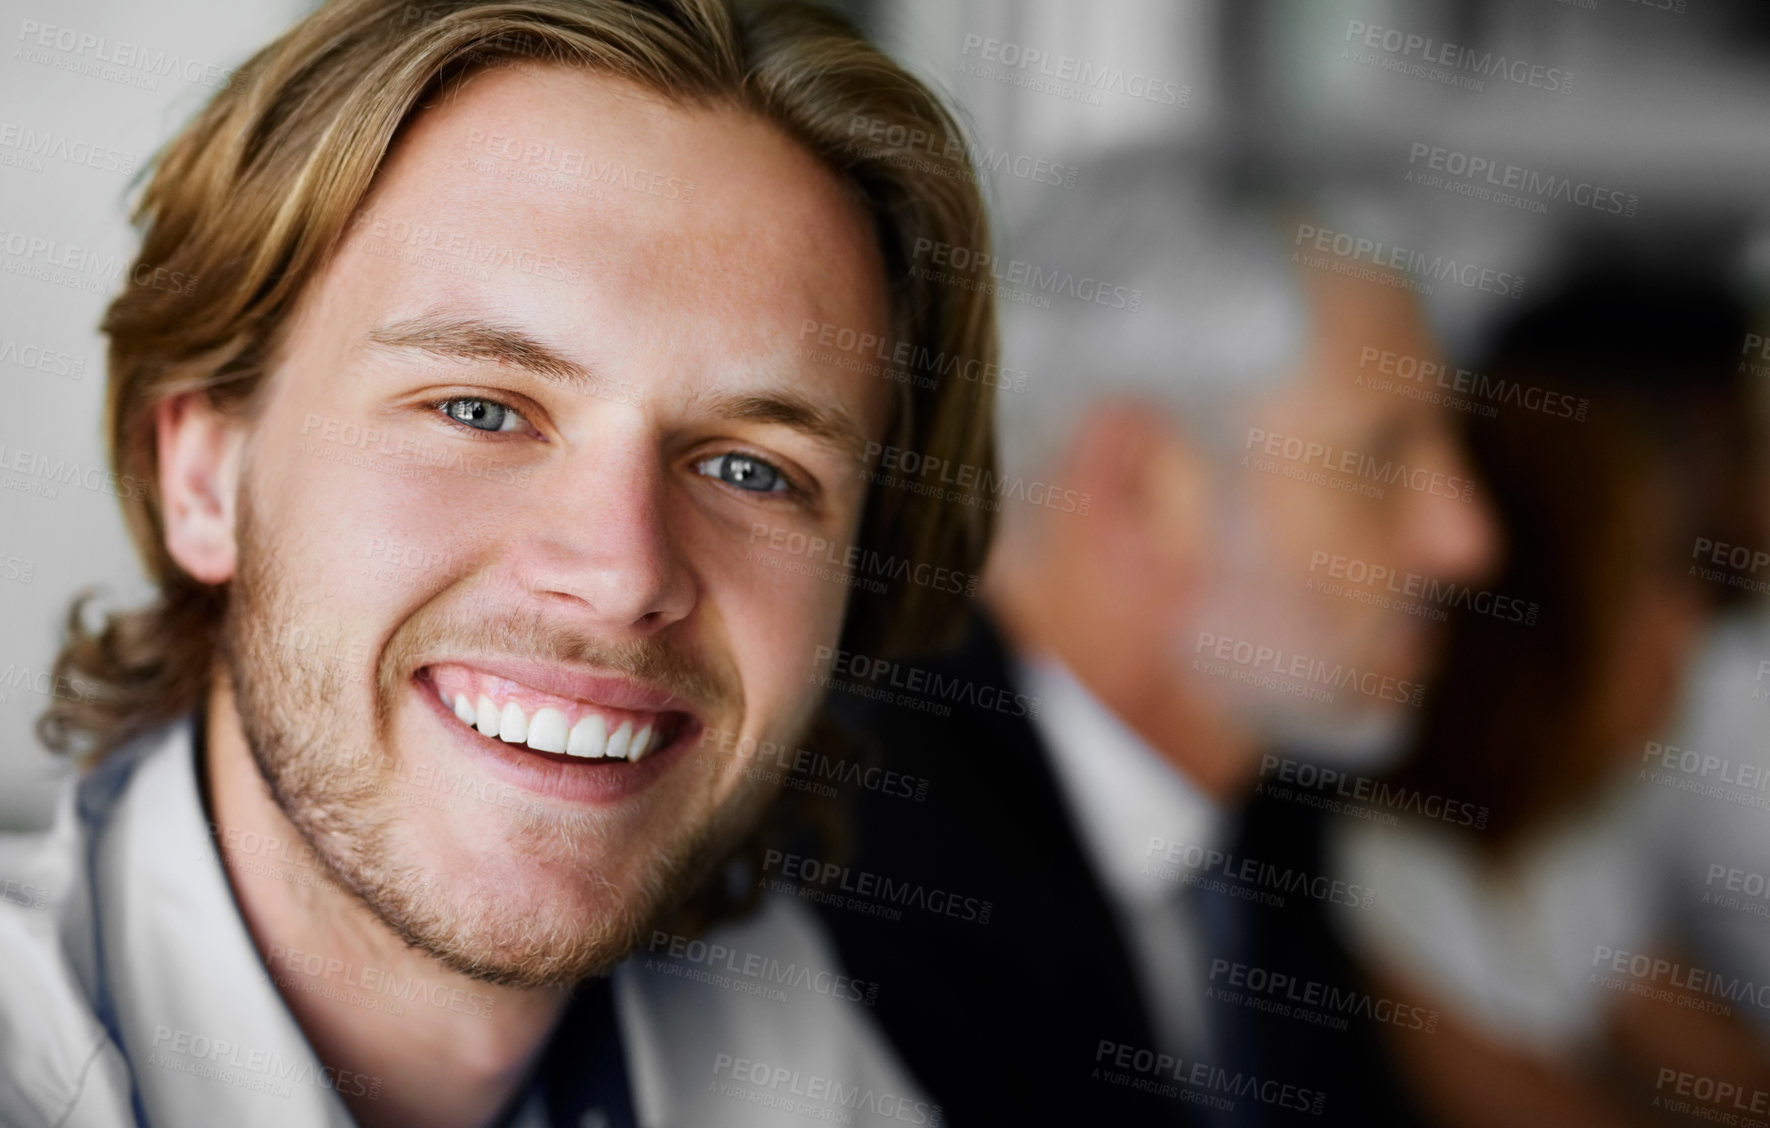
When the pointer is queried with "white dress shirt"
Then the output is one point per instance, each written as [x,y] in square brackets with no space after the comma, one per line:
[130,992]
[1131,807]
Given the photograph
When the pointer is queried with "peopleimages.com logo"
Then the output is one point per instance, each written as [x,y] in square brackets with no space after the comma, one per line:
[1040,282]
[1064,76]
[1426,57]
[114,60]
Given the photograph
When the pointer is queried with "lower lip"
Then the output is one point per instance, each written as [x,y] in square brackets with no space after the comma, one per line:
[576,780]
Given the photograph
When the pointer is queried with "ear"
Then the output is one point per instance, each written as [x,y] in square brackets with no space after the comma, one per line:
[1147,474]
[199,450]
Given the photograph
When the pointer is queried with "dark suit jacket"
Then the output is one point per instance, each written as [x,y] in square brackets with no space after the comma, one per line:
[1353,1067]
[1003,1021]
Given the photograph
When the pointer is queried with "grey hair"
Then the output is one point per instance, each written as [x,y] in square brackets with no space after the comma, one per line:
[1221,313]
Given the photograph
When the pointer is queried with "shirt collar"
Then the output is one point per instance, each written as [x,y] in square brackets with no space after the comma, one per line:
[186,996]
[1120,791]
[184,992]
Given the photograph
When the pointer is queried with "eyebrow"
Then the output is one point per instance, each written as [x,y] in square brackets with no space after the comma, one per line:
[472,338]
[829,425]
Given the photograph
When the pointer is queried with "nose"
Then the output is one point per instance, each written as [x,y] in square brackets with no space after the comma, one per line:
[1449,538]
[598,544]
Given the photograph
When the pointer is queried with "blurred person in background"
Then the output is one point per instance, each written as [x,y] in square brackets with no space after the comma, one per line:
[1091,813]
[1515,964]
[1708,780]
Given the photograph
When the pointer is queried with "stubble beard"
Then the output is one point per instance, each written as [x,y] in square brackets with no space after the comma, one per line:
[344,799]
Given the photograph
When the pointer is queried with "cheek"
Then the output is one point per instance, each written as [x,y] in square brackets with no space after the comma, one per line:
[1300,519]
[365,515]
[777,621]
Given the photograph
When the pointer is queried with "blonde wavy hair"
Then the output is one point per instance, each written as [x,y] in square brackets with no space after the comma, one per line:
[254,195]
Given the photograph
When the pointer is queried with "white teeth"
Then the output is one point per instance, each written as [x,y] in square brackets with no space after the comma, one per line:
[589,737]
[619,739]
[486,716]
[641,741]
[547,732]
[513,724]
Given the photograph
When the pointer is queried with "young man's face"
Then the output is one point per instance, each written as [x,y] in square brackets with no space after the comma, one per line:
[510,465]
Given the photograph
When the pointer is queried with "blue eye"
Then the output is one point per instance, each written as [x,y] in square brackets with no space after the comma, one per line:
[482,414]
[744,472]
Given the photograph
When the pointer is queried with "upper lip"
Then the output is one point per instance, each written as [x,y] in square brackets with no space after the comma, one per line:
[609,691]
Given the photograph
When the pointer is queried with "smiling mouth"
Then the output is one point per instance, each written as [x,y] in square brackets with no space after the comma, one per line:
[560,727]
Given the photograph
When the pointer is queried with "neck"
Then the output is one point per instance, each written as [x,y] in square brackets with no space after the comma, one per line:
[444,1049]
[1046,608]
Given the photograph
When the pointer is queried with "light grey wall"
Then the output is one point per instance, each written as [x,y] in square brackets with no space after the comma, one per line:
[114,82]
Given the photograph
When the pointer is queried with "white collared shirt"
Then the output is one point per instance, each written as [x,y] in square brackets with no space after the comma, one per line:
[1136,814]
[127,977]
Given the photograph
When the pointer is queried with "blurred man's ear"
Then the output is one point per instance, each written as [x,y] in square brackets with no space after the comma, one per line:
[1150,488]
[1102,584]
[199,451]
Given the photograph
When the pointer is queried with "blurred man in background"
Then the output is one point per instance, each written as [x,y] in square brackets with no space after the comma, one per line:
[1210,463]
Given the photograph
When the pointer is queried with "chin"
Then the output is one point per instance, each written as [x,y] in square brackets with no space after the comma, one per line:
[537,923]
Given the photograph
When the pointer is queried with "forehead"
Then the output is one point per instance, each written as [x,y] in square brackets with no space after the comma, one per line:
[699,238]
